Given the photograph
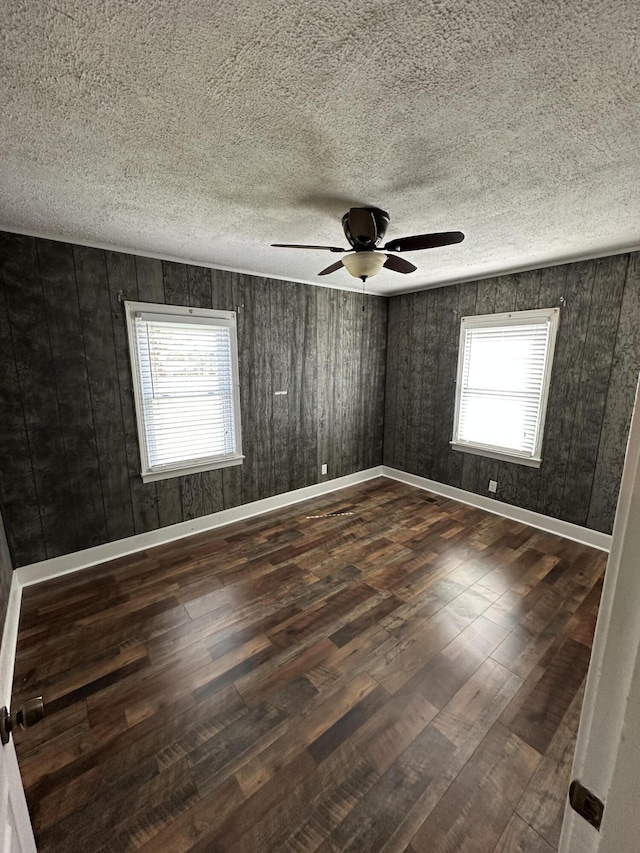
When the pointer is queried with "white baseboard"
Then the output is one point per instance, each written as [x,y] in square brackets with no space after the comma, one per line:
[593,538]
[10,641]
[57,566]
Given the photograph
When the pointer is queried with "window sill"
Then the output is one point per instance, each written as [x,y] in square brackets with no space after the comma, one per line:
[496,454]
[153,476]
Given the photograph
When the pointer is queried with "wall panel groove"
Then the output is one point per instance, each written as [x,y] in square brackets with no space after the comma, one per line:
[17,485]
[37,387]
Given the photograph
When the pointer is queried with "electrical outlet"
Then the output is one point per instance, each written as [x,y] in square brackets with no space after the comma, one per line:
[324,468]
[493,486]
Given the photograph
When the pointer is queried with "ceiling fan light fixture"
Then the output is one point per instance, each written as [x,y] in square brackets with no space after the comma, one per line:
[364,264]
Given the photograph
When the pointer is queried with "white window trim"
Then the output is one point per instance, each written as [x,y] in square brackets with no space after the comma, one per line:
[512,318]
[131,310]
[496,454]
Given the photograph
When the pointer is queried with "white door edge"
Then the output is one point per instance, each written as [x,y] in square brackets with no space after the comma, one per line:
[15,823]
[608,748]
[10,641]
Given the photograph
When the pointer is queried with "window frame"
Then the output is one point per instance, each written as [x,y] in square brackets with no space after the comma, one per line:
[132,309]
[511,318]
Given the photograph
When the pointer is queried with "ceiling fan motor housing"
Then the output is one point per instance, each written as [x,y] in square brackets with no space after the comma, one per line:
[363,242]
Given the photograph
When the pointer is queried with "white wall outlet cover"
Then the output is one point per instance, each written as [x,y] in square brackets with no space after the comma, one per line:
[493,485]
[324,468]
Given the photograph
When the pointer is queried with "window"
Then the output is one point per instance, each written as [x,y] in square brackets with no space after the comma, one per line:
[185,380]
[504,369]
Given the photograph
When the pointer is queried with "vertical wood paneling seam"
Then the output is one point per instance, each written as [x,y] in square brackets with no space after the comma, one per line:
[573,422]
[321,359]
[335,386]
[84,350]
[368,384]
[317,406]
[387,300]
[55,382]
[24,417]
[152,486]
[362,405]
[438,372]
[365,378]
[604,407]
[311,338]
[106,269]
[358,376]
[409,441]
[394,390]
[274,374]
[467,458]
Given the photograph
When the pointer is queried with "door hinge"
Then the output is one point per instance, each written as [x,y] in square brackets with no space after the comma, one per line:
[586,804]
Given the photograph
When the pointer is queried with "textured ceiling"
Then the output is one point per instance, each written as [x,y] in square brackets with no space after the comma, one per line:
[204,131]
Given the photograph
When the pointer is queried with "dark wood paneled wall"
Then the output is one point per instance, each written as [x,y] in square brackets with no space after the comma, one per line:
[6,572]
[591,397]
[68,445]
[69,465]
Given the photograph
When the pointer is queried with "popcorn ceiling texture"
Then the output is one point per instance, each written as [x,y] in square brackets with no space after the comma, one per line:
[204,131]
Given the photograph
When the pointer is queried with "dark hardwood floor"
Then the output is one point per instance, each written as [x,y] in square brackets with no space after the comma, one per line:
[378,669]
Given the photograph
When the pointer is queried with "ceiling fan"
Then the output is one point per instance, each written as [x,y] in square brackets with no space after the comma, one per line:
[364,228]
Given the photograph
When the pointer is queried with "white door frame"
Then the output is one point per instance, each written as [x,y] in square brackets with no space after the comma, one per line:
[16,834]
[607,757]
[9,639]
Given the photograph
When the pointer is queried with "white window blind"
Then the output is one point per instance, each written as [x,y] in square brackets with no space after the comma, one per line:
[184,363]
[504,368]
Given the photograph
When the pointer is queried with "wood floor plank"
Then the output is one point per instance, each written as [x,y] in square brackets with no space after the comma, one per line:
[305,732]
[543,803]
[388,732]
[472,815]
[421,771]
[523,648]
[345,771]
[434,635]
[184,833]
[449,671]
[374,670]
[347,725]
[329,811]
[101,760]
[519,837]
[536,713]
[467,718]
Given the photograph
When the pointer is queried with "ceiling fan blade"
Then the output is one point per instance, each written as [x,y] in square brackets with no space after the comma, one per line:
[297,246]
[332,268]
[362,225]
[399,264]
[424,241]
